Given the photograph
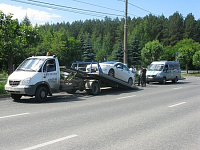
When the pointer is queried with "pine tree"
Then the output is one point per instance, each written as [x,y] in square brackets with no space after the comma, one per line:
[119,53]
[88,52]
[26,21]
[134,52]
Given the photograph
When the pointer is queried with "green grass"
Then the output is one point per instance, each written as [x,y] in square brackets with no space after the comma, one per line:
[2,84]
[191,74]
[3,75]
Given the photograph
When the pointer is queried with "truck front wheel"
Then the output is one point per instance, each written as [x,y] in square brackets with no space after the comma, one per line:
[16,96]
[41,94]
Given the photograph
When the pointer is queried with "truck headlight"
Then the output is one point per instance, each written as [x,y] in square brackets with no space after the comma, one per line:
[26,81]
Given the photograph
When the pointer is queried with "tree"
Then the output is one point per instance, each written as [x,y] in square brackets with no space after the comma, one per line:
[134,52]
[88,52]
[14,38]
[186,49]
[152,51]
[196,59]
[169,53]
[175,29]
[26,21]
[118,54]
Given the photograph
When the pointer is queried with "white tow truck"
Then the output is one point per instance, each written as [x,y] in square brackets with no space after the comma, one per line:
[41,76]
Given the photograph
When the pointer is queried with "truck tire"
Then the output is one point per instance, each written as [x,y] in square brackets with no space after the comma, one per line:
[95,89]
[16,96]
[41,94]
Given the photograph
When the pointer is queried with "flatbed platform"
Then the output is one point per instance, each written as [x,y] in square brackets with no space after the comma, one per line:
[104,79]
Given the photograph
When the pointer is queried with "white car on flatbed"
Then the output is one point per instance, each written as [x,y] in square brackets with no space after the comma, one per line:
[115,69]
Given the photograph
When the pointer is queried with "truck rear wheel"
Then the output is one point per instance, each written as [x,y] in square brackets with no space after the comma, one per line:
[41,94]
[95,89]
[16,96]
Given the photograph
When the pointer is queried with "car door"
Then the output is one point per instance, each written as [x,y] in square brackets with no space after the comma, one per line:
[119,71]
[126,73]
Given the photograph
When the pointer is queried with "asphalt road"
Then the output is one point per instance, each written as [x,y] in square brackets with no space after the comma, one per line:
[156,117]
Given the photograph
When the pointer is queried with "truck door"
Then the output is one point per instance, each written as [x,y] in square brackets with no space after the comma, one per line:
[50,74]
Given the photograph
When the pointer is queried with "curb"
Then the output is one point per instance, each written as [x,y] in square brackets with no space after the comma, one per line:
[4,96]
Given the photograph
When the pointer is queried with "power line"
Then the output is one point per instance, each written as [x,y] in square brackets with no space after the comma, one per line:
[66,8]
[141,8]
[138,7]
[98,6]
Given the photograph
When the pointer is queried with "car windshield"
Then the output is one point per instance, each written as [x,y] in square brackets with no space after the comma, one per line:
[156,67]
[32,64]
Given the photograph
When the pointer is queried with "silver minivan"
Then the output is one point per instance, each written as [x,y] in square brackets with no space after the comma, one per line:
[162,71]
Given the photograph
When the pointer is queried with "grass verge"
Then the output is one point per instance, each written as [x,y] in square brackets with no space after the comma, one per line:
[2,84]
[191,74]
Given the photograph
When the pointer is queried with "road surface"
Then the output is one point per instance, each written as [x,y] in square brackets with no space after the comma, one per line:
[156,117]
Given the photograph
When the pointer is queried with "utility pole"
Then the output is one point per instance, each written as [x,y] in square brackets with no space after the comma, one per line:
[125,35]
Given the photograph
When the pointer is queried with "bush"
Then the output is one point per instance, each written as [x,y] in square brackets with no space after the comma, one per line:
[2,84]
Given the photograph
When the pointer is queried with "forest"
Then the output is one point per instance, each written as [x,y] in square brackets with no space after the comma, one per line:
[150,38]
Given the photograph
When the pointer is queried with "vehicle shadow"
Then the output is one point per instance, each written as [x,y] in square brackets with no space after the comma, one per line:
[170,83]
[78,96]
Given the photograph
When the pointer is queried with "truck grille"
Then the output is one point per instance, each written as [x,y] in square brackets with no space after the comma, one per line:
[14,83]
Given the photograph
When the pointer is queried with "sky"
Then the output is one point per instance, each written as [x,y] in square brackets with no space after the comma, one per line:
[57,11]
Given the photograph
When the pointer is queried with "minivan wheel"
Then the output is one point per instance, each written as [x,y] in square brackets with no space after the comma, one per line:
[175,80]
[164,80]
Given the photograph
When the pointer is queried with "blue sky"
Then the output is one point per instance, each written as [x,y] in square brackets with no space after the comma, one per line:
[110,8]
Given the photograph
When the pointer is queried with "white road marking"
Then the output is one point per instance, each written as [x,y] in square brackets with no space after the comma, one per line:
[14,115]
[177,88]
[177,104]
[126,97]
[51,142]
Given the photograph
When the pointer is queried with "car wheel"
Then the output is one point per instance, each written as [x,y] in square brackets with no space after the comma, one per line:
[111,73]
[130,81]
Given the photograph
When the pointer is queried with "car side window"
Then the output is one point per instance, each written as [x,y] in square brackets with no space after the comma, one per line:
[125,68]
[119,66]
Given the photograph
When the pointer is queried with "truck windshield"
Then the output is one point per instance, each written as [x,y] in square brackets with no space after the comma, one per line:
[32,64]
[156,67]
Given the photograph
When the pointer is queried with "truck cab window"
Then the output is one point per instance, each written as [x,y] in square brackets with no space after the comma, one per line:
[50,66]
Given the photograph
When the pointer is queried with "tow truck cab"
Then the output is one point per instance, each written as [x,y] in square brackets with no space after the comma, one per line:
[36,76]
